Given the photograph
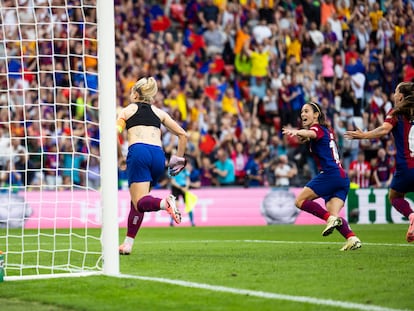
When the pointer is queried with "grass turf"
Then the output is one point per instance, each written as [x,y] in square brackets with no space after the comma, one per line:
[248,268]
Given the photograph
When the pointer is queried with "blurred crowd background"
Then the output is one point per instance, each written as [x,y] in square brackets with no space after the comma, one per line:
[233,73]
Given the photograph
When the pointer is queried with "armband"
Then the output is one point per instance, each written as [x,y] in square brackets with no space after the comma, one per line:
[120,125]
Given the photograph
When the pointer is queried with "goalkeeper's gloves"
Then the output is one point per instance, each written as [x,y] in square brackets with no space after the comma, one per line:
[176,165]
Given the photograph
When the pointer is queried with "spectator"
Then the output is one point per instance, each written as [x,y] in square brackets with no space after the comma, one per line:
[383,170]
[350,148]
[358,85]
[177,55]
[348,99]
[360,171]
[10,179]
[375,16]
[254,171]
[370,146]
[239,158]
[224,169]
[230,104]
[328,72]
[284,103]
[266,12]
[315,34]
[312,11]
[327,10]
[195,176]
[214,38]
[260,56]
[94,170]
[284,171]
[122,176]
[207,177]
[208,12]
[373,79]
[297,100]
[261,32]
[336,26]
[53,175]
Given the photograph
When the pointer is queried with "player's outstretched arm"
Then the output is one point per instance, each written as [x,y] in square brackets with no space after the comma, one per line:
[378,132]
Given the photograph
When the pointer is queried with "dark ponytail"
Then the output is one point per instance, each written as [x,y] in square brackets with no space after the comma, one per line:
[406,108]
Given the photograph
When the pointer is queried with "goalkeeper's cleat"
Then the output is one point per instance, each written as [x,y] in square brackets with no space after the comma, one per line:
[332,223]
[410,232]
[172,209]
[125,249]
[351,244]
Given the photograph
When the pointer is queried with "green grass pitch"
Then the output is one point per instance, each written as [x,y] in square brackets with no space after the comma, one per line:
[281,267]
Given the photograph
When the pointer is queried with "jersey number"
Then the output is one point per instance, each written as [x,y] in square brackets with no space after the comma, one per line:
[334,148]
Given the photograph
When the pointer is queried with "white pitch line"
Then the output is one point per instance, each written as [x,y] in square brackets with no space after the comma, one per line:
[260,294]
[313,242]
[269,242]
[253,241]
[258,241]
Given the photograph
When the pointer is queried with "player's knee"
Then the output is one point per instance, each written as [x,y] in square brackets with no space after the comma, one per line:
[299,203]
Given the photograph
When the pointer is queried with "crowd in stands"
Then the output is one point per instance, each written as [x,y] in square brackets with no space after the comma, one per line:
[233,73]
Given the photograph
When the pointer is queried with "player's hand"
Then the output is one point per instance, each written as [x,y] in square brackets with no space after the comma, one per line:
[357,134]
[176,165]
[289,131]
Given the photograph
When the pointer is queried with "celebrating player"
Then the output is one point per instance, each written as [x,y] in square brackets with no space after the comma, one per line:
[332,183]
[146,158]
[399,121]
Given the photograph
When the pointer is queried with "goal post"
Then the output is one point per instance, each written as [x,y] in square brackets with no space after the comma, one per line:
[107,100]
[58,157]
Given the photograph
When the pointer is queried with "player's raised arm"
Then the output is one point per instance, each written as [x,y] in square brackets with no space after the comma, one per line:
[378,132]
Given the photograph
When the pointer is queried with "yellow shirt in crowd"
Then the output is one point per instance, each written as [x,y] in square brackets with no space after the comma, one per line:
[260,62]
[375,17]
[294,49]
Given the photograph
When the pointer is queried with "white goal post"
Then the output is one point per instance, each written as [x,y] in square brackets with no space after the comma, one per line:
[106,47]
[58,157]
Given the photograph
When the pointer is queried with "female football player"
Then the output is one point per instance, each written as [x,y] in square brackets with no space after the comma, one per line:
[146,157]
[399,121]
[332,182]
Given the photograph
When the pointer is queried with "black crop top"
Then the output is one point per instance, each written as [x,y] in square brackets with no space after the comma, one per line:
[144,116]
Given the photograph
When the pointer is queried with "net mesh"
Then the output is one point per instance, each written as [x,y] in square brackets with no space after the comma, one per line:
[50,215]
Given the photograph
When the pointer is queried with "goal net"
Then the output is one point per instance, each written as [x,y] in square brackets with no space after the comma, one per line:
[51,121]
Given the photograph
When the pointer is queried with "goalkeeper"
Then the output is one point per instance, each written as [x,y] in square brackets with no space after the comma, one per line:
[146,158]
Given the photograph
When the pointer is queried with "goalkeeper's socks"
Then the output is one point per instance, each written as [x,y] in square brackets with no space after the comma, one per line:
[149,203]
[135,219]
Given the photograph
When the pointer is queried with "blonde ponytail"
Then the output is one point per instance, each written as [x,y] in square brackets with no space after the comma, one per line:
[146,88]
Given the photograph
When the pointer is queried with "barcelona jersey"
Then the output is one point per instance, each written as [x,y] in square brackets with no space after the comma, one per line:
[332,181]
[403,132]
[325,150]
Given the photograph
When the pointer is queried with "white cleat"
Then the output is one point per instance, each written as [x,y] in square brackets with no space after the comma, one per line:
[352,244]
[125,249]
[332,223]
